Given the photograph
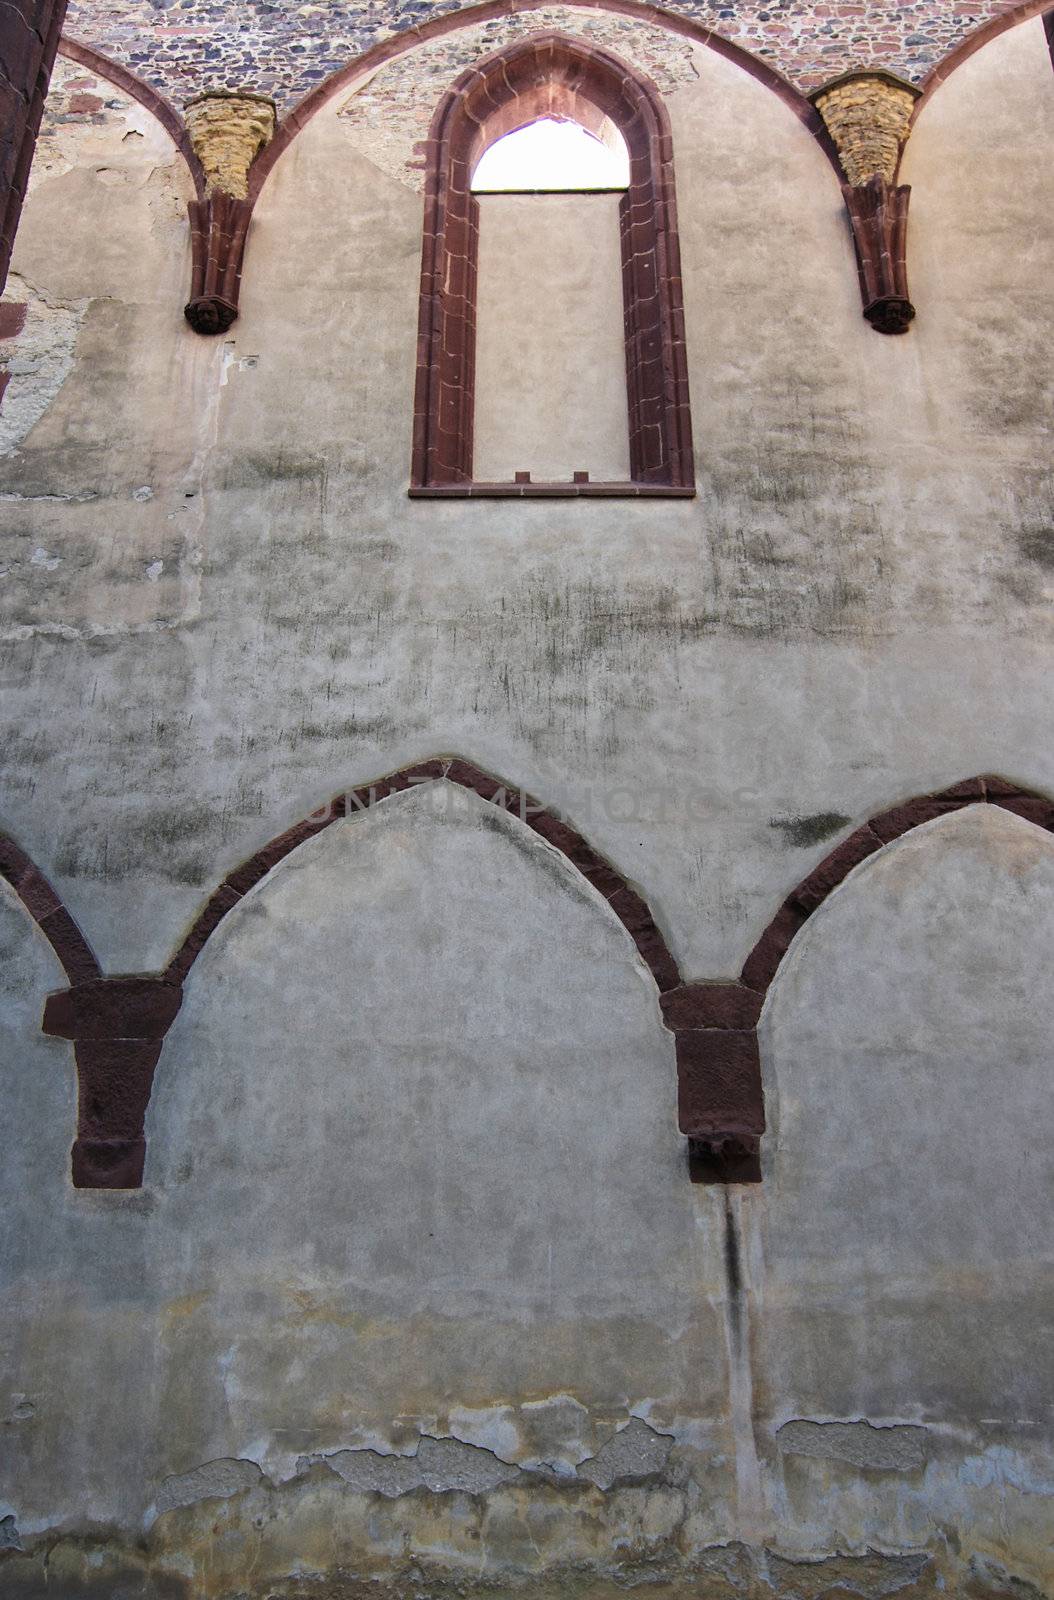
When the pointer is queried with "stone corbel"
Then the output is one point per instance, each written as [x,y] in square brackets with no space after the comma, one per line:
[868,116]
[720,1101]
[117,1026]
[228,129]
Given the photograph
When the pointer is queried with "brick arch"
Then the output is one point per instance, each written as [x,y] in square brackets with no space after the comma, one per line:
[136,89]
[48,912]
[559,75]
[721,1100]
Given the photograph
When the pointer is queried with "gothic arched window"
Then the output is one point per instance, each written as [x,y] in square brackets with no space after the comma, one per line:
[552,77]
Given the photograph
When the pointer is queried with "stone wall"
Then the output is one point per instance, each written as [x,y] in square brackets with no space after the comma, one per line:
[417,1291]
[286,51]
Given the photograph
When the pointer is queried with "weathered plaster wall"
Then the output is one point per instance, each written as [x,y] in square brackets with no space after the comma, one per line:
[425,1025]
[552,400]
[902,1258]
[318,628]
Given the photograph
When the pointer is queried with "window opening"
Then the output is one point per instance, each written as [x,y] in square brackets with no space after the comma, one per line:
[549,155]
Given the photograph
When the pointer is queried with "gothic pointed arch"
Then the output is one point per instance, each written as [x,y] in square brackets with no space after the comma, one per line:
[629,907]
[551,74]
[118,1024]
[721,1100]
[491,10]
[48,912]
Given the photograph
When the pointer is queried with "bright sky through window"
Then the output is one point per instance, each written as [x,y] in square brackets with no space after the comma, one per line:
[553,155]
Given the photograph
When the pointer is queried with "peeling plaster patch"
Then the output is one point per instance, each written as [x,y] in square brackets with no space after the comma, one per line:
[369,1472]
[49,499]
[442,1465]
[76,127]
[144,492]
[556,1431]
[637,1451]
[493,1428]
[872,1575]
[901,1448]
[42,357]
[9,1539]
[216,1480]
[44,558]
[449,1464]
[154,570]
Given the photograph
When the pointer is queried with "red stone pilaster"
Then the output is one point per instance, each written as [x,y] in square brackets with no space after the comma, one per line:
[118,1026]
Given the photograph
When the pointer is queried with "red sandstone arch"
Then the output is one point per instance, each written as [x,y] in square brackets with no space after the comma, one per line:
[48,912]
[118,1024]
[721,1101]
[629,907]
[978,39]
[130,84]
[470,16]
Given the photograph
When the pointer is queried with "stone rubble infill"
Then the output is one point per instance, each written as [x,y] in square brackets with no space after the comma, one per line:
[184,46]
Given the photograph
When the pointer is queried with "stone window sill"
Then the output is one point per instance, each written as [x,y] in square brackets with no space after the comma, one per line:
[550,491]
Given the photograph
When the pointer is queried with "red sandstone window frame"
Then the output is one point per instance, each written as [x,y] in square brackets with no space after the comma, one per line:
[551,75]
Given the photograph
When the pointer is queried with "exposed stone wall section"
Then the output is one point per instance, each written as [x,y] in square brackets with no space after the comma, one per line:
[389,115]
[900,1448]
[77,104]
[635,1454]
[36,360]
[228,130]
[443,1466]
[873,1575]
[868,119]
[87,123]
[285,51]
[215,1480]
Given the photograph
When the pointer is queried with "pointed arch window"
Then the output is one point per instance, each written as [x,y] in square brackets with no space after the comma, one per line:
[551,78]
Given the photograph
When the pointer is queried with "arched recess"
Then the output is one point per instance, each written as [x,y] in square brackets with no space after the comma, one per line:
[718,1058]
[118,1024]
[551,74]
[136,89]
[424,1023]
[908,1271]
[421,33]
[629,907]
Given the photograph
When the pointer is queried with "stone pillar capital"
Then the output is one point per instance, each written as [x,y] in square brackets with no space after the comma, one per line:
[228,128]
[868,116]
